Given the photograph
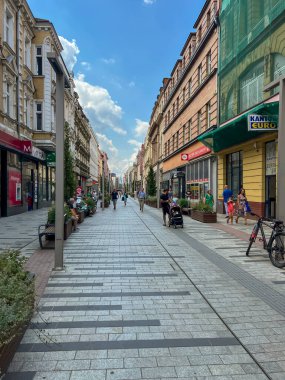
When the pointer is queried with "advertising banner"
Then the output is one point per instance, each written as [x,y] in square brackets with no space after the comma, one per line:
[14,187]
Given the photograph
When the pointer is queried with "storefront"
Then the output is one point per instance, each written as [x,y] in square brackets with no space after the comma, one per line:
[25,178]
[246,151]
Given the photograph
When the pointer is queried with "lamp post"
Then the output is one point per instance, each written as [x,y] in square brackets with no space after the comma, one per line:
[61,82]
[281,143]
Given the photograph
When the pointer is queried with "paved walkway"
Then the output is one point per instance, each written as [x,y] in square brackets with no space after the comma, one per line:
[143,301]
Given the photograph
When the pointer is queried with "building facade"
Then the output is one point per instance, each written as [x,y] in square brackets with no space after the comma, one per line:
[93,180]
[190,109]
[252,54]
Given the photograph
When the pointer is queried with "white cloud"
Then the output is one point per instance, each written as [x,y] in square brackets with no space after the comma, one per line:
[86,65]
[132,84]
[109,61]
[106,144]
[149,2]
[70,52]
[101,109]
[141,127]
[135,142]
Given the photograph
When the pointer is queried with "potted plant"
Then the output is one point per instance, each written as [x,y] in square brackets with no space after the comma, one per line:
[107,200]
[203,213]
[151,200]
[17,298]
[91,204]
[185,206]
[67,221]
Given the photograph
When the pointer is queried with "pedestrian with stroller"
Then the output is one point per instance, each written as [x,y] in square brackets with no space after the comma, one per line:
[164,200]
[242,206]
[114,196]
[141,197]
[227,193]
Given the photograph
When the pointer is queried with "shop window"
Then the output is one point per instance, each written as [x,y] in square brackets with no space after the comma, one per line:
[234,170]
[198,179]
[14,180]
[39,116]
[251,87]
[39,60]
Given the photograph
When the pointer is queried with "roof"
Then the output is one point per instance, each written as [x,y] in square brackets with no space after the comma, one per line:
[202,13]
[192,34]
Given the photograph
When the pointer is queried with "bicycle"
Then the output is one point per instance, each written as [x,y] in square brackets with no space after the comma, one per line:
[275,244]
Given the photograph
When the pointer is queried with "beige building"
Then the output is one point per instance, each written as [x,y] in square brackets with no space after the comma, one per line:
[190,108]
[93,180]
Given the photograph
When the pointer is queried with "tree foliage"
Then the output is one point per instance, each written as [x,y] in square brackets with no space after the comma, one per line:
[69,177]
[151,183]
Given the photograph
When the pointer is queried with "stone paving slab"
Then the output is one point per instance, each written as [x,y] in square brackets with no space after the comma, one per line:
[208,324]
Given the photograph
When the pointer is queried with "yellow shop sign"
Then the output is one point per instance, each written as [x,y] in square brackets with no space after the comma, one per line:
[262,123]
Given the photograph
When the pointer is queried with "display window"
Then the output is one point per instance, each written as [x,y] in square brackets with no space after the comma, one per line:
[198,179]
[14,179]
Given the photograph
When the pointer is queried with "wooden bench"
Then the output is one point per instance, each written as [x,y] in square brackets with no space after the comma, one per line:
[47,230]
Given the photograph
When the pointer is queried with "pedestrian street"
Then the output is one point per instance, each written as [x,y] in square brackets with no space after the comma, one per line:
[138,300]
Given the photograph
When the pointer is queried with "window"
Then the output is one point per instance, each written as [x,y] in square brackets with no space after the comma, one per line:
[165,149]
[199,34]
[190,51]
[234,162]
[177,104]
[190,87]
[208,18]
[199,75]
[9,32]
[27,53]
[8,99]
[208,114]
[39,61]
[27,112]
[190,129]
[184,134]
[251,87]
[173,110]
[209,63]
[183,95]
[199,122]
[176,140]
[39,117]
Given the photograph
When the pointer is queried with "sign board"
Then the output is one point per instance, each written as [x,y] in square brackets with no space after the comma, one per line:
[38,153]
[262,123]
[195,154]
[50,157]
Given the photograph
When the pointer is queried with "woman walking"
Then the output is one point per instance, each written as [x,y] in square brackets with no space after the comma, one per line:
[241,203]
[125,197]
[209,199]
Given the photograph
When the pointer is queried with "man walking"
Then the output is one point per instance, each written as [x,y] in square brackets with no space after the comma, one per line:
[141,196]
[227,193]
[114,196]
[165,205]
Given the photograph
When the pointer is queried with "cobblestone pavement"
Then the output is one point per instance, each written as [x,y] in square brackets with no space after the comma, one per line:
[141,301]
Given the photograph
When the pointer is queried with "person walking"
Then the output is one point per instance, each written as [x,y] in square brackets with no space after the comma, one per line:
[209,199]
[241,203]
[125,198]
[114,196]
[227,193]
[164,200]
[141,196]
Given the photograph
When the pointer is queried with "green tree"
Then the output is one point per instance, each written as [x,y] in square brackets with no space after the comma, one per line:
[69,177]
[151,184]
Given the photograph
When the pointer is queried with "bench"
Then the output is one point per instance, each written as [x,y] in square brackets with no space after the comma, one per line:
[186,210]
[47,230]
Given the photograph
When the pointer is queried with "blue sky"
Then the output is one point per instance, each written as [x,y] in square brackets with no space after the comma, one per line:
[119,51]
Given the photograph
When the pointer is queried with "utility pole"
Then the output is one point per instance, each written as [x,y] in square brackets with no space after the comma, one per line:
[281,143]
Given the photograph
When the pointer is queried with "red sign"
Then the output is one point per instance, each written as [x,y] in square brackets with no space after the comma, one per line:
[195,154]
[14,187]
[9,141]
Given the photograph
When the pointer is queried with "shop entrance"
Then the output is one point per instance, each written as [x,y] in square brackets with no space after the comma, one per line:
[270,201]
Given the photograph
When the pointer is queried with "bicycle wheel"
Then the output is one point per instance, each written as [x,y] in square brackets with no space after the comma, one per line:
[276,250]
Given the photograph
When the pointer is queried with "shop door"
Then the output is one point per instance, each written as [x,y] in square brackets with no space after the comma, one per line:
[270,201]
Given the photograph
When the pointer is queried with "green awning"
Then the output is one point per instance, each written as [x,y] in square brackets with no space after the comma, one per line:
[236,131]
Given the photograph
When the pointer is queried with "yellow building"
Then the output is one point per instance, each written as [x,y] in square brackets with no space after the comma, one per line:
[252,54]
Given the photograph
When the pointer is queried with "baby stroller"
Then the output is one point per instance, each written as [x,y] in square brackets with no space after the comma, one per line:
[175,216]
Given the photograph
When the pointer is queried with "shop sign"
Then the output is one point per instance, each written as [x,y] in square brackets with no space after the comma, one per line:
[26,146]
[50,158]
[38,153]
[195,154]
[89,182]
[9,141]
[263,123]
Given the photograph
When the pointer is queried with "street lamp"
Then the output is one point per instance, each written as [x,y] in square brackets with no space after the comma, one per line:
[61,82]
[281,142]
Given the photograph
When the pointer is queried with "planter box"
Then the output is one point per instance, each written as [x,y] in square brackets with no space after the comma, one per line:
[186,211]
[67,228]
[81,216]
[204,217]
[151,203]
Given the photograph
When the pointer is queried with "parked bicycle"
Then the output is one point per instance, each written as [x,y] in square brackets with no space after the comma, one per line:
[275,244]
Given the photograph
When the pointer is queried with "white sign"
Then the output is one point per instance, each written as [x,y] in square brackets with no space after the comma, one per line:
[262,123]
[38,153]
